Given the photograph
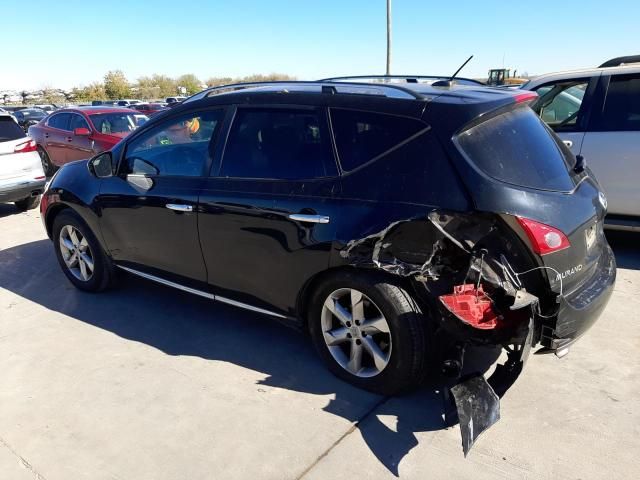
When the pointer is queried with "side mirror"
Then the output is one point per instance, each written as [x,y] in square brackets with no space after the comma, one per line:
[101,166]
[82,132]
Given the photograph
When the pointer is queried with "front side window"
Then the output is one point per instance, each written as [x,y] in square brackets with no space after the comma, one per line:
[621,110]
[77,121]
[364,136]
[559,104]
[278,144]
[179,146]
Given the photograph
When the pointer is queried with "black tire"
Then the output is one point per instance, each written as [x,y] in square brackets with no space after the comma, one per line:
[103,274]
[407,361]
[28,203]
[48,167]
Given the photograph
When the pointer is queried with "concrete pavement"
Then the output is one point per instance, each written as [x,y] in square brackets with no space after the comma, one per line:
[145,382]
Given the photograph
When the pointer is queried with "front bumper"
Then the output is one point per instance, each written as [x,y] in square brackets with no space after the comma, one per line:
[579,310]
[22,190]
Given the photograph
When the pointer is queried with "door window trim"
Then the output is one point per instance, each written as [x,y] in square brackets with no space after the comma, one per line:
[586,106]
[323,115]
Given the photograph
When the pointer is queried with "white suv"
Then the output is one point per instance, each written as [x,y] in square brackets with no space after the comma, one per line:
[21,176]
[596,112]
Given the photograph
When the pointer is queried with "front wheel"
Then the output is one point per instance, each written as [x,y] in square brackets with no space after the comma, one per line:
[369,332]
[79,253]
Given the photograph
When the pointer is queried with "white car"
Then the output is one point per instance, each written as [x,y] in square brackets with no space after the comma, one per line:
[22,179]
[596,113]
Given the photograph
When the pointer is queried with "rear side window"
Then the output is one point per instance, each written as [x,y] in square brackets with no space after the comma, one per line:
[364,136]
[60,120]
[9,129]
[517,148]
[278,144]
[621,106]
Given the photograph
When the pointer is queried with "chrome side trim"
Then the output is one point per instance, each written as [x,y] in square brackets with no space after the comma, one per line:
[248,307]
[194,291]
[300,217]
[179,207]
[153,278]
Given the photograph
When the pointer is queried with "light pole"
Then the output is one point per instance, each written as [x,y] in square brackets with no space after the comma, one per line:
[388,37]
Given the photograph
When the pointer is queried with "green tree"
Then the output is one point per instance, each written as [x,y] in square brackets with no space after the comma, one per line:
[116,85]
[190,82]
[156,86]
[94,91]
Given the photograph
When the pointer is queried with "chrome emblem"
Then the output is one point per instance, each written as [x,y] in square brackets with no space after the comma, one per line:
[603,200]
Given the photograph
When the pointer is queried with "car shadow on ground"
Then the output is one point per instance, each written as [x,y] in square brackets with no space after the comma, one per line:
[625,245]
[7,209]
[178,323]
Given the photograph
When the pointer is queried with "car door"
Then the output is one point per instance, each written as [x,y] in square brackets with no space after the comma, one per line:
[149,209]
[565,106]
[79,147]
[611,145]
[266,212]
[55,137]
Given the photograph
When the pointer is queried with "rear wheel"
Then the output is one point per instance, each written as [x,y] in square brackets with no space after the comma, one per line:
[369,332]
[48,167]
[28,203]
[79,253]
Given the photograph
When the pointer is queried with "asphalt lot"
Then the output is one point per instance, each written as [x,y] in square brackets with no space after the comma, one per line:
[145,382]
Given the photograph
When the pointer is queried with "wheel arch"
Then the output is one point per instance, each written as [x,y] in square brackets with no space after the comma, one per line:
[306,292]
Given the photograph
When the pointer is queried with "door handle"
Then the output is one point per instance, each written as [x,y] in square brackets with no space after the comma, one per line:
[69,139]
[46,135]
[301,217]
[568,143]
[179,208]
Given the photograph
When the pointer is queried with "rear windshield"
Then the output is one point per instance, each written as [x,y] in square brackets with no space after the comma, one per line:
[9,129]
[517,147]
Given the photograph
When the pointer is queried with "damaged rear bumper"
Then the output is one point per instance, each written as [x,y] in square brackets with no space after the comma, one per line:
[579,310]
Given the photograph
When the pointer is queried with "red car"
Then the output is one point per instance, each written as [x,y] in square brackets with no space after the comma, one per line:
[78,133]
[149,109]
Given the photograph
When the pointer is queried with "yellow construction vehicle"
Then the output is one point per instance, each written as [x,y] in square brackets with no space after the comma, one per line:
[502,76]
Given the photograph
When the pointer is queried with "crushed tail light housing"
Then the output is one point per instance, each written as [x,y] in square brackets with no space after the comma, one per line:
[471,305]
[544,239]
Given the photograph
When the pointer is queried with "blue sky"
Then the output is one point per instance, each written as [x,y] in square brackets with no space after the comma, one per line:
[62,44]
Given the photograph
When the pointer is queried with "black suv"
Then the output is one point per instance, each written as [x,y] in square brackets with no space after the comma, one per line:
[385,218]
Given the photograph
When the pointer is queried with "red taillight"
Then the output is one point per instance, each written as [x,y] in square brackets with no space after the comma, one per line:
[525,97]
[29,146]
[544,238]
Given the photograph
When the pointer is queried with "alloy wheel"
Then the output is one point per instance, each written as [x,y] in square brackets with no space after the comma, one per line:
[356,332]
[76,253]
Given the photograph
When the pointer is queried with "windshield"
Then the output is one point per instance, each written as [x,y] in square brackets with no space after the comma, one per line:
[117,122]
[516,147]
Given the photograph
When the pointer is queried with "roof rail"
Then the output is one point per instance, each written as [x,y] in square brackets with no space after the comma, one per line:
[406,78]
[616,62]
[348,88]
